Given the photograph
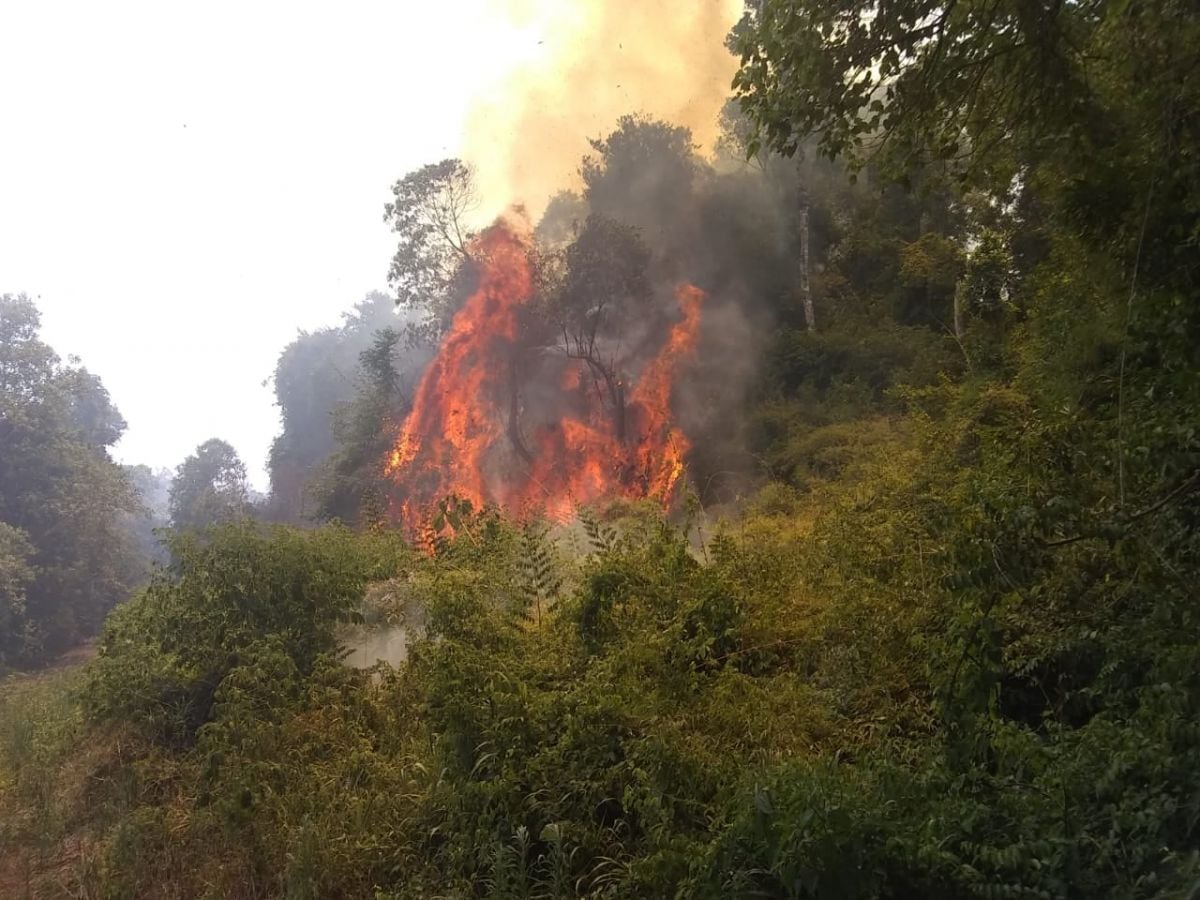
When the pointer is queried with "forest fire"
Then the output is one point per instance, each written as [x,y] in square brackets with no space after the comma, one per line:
[494,421]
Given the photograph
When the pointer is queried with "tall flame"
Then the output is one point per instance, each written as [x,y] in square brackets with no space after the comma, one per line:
[459,436]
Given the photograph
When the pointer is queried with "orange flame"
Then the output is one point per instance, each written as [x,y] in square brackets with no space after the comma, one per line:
[458,437]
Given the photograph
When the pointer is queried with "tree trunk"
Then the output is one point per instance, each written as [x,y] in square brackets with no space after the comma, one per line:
[810,316]
[514,422]
[958,310]
[616,394]
[617,389]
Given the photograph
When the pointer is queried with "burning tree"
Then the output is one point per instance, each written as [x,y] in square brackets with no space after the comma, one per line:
[582,449]
[599,285]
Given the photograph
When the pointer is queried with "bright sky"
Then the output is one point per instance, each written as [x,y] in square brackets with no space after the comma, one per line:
[183,186]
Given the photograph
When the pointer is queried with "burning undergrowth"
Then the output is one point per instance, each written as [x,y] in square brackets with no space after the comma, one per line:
[533,413]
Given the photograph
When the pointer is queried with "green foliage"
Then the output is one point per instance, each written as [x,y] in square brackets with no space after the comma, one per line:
[844,700]
[66,553]
[350,486]
[951,650]
[165,653]
[39,724]
[209,487]
[16,574]
[429,214]
[543,575]
[968,85]
[44,785]
[314,376]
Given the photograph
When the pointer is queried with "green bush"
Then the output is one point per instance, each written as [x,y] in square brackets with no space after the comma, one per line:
[165,653]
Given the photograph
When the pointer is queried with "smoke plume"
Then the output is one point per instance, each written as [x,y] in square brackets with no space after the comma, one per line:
[595,61]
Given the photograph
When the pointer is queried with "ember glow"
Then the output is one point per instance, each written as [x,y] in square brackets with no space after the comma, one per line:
[474,432]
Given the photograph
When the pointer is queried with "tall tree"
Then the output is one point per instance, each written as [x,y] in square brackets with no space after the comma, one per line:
[67,555]
[601,288]
[209,487]
[351,484]
[315,374]
[1076,437]
[645,174]
[429,213]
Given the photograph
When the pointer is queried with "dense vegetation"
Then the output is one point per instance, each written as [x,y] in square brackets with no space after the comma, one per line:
[67,512]
[925,624]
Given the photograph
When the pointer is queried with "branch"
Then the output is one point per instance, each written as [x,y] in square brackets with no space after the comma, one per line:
[1137,262]
[1179,490]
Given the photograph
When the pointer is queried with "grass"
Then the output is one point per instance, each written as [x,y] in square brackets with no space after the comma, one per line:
[45,848]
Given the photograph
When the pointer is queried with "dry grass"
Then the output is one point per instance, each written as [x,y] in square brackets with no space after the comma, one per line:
[48,766]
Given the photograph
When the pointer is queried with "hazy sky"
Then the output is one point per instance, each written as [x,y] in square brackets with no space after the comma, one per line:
[183,186]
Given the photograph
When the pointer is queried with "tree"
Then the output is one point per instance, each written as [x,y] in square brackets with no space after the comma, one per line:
[350,486]
[16,576]
[810,316]
[644,174]
[209,487]
[314,375]
[560,223]
[92,411]
[67,556]
[1069,460]
[429,214]
[602,287]
[985,88]
[918,81]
